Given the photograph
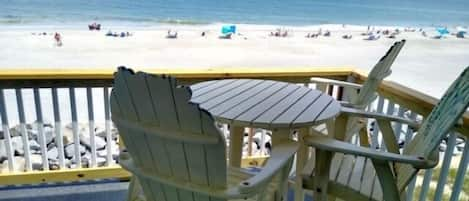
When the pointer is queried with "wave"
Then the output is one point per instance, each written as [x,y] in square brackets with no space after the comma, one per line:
[182,22]
[13,19]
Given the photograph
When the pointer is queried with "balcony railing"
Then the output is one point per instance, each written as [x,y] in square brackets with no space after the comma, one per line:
[56,125]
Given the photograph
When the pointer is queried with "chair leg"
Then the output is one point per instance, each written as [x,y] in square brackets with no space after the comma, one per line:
[387,180]
[321,177]
[301,157]
[278,137]
[133,193]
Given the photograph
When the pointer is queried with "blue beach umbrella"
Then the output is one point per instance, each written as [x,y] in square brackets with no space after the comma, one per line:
[227,29]
[442,31]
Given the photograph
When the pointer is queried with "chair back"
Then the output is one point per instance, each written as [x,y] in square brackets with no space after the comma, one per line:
[169,140]
[380,71]
[437,125]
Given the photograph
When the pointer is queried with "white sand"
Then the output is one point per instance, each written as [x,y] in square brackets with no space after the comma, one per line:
[426,64]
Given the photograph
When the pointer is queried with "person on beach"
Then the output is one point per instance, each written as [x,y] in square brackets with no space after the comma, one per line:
[58,39]
[172,34]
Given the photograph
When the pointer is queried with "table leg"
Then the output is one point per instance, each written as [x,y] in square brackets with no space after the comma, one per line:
[278,137]
[301,157]
[236,145]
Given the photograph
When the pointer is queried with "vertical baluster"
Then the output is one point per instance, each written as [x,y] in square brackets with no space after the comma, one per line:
[374,137]
[330,90]
[40,127]
[389,111]
[58,128]
[425,184]
[76,137]
[107,125]
[262,143]
[25,136]
[408,138]
[340,93]
[460,175]
[89,96]
[398,126]
[445,166]
[6,132]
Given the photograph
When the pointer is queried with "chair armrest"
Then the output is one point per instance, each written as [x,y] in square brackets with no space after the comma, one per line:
[335,82]
[360,113]
[279,157]
[325,143]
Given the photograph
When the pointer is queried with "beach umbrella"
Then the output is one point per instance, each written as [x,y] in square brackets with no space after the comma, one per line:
[442,31]
[227,29]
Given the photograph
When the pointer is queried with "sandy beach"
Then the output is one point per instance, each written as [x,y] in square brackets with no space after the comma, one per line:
[425,64]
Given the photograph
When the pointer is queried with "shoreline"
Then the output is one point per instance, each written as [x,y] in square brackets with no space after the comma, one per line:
[82,26]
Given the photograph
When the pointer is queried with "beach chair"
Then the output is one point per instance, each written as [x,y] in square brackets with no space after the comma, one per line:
[352,172]
[360,96]
[176,151]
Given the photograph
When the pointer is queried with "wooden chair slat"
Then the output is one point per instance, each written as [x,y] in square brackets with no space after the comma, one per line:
[357,173]
[335,166]
[345,169]
[368,178]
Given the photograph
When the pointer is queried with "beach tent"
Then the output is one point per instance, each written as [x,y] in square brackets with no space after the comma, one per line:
[442,31]
[228,29]
[460,32]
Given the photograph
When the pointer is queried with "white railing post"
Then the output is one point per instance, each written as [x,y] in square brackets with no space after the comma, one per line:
[24,133]
[445,167]
[40,127]
[58,128]
[6,133]
[408,136]
[374,137]
[107,125]
[460,175]
[427,178]
[89,96]
[76,136]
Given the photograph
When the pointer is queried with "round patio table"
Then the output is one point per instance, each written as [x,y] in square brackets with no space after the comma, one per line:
[273,105]
[264,103]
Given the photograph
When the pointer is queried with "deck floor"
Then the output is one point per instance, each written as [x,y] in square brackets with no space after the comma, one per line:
[90,191]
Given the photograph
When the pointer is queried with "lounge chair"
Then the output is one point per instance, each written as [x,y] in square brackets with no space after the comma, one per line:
[347,36]
[372,37]
[175,150]
[351,172]
[361,96]
[172,36]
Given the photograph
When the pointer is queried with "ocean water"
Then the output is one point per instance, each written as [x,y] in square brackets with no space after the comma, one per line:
[273,12]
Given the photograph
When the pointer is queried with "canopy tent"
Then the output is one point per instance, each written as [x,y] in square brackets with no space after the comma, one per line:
[228,29]
[442,30]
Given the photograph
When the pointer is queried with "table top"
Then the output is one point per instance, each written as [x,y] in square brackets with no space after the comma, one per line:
[264,103]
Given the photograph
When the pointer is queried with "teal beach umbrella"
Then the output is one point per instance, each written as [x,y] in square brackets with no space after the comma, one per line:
[227,29]
[442,31]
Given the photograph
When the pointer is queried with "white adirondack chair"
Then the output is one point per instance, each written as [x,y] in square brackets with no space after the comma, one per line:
[360,96]
[175,149]
[352,172]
